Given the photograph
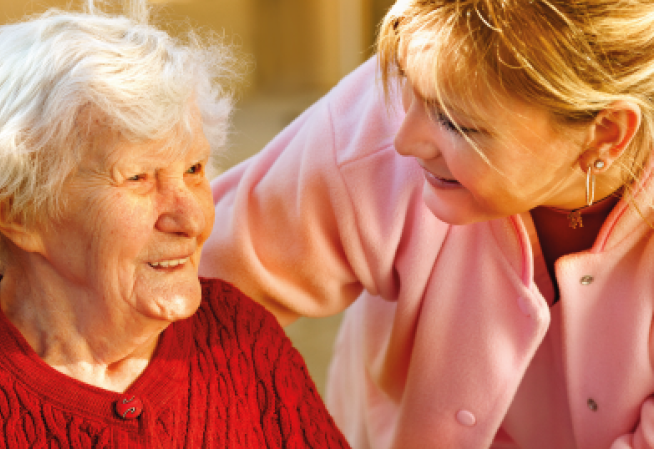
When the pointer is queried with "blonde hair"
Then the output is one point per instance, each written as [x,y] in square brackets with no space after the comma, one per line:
[56,67]
[572,57]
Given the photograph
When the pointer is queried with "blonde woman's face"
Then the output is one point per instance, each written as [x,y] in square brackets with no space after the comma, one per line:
[528,162]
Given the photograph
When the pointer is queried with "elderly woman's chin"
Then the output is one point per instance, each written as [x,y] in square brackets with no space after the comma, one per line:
[168,296]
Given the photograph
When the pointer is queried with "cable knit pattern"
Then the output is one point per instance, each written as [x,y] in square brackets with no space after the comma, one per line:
[228,377]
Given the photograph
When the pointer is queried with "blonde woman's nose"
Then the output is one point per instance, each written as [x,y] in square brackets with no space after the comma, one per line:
[416,136]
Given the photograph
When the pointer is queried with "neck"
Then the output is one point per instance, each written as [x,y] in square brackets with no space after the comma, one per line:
[556,223]
[602,205]
[74,333]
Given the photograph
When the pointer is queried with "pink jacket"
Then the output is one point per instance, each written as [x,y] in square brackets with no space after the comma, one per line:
[451,342]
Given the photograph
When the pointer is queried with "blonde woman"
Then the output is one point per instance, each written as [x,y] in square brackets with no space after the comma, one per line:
[488,222]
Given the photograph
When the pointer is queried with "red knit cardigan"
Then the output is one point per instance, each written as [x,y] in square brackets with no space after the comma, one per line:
[228,377]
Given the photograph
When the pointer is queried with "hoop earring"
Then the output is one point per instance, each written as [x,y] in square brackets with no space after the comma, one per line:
[590,181]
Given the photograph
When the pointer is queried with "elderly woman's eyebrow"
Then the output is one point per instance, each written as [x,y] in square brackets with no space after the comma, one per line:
[204,151]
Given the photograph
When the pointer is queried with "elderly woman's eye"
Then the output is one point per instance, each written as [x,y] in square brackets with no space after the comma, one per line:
[139,177]
[195,169]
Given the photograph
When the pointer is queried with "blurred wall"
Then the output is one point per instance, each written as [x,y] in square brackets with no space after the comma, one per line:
[295,44]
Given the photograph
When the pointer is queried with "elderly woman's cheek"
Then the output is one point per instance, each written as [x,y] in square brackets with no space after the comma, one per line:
[209,213]
[174,294]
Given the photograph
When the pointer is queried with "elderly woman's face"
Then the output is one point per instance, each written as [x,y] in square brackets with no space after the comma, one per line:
[133,228]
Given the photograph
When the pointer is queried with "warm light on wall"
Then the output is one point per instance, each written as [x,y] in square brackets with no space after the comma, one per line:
[170,2]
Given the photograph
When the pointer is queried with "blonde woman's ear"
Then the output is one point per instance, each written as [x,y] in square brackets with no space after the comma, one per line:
[610,134]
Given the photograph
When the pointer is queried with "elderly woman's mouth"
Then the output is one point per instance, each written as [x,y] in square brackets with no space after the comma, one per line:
[172,263]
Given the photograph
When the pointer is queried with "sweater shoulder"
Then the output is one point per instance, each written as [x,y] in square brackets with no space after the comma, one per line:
[234,316]
[267,378]
[224,299]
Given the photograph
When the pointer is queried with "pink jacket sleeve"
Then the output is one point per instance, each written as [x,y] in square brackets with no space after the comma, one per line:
[316,216]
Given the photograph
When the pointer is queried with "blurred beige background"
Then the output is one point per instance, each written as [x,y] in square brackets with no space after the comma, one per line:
[299,49]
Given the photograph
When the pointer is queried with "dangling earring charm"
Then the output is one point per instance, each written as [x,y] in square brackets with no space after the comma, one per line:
[574,217]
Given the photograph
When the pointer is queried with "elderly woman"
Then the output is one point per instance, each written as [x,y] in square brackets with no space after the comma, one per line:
[494,219]
[108,337]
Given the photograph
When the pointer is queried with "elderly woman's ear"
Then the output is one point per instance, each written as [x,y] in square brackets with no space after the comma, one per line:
[20,234]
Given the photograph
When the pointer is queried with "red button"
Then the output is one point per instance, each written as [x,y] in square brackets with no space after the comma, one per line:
[129,407]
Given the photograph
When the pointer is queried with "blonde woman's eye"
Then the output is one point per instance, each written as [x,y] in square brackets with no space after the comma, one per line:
[446,123]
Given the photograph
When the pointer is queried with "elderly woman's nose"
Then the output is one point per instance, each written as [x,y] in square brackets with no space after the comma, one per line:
[181,211]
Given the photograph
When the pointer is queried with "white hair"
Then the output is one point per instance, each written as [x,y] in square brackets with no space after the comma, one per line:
[142,80]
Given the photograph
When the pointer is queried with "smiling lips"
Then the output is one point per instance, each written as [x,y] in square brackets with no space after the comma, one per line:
[169,263]
[441,183]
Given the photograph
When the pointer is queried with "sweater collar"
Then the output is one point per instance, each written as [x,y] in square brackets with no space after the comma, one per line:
[162,380]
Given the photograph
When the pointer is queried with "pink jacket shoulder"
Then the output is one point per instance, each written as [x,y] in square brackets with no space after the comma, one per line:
[325,210]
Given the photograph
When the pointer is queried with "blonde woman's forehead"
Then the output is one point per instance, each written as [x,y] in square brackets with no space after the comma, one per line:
[415,60]
[470,102]
[441,91]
